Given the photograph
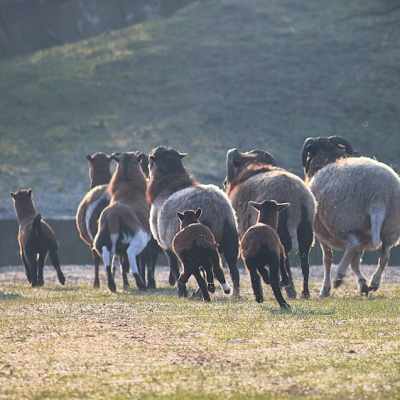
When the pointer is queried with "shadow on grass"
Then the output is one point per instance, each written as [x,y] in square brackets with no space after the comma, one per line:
[9,296]
[296,311]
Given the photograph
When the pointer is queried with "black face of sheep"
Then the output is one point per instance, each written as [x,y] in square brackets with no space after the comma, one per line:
[318,152]
[36,239]
[195,246]
[166,160]
[261,246]
[358,208]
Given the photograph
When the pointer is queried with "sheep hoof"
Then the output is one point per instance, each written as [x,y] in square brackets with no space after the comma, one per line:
[236,294]
[41,283]
[305,295]
[182,292]
[290,291]
[325,292]
[364,289]
[171,279]
[227,291]
[112,287]
[126,287]
[211,288]
[96,285]
[61,279]
[196,294]
[285,306]
[373,287]
[337,282]
[151,285]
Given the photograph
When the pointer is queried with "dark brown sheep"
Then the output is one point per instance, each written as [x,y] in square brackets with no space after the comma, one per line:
[260,246]
[197,250]
[124,224]
[36,239]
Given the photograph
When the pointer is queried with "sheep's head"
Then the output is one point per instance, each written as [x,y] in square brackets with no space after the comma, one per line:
[236,162]
[321,151]
[165,161]
[189,217]
[268,211]
[20,195]
[128,163]
[99,168]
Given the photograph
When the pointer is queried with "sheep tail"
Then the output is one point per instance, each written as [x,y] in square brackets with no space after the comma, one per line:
[377,215]
[37,224]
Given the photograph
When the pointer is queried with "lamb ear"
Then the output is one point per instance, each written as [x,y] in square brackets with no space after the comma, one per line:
[255,205]
[89,157]
[180,215]
[30,192]
[198,213]
[181,155]
[283,206]
[13,195]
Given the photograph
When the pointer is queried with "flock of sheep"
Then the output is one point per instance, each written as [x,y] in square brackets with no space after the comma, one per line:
[153,204]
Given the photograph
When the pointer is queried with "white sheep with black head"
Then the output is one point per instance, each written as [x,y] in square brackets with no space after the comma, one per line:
[358,207]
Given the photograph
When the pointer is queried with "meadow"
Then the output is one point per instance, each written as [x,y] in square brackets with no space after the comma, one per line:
[77,342]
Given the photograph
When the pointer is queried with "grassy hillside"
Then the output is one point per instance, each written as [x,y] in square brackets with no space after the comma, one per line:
[216,75]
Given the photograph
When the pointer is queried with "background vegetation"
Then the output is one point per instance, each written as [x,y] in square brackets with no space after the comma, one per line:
[215,75]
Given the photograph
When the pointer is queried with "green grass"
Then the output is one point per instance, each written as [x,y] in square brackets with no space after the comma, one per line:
[76,342]
[216,74]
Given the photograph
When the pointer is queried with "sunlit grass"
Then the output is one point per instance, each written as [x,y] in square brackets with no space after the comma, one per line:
[73,341]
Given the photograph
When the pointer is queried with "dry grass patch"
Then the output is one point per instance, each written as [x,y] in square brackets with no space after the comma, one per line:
[76,342]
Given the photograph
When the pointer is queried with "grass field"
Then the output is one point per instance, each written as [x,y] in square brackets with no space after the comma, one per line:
[215,75]
[76,342]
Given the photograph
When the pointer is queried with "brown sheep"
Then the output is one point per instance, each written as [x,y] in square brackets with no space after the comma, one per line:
[124,224]
[254,176]
[36,239]
[260,246]
[197,250]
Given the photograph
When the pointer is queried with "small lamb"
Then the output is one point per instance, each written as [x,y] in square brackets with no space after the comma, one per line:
[260,246]
[196,248]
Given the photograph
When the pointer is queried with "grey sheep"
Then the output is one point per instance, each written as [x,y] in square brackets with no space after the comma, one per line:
[172,188]
[254,176]
[358,207]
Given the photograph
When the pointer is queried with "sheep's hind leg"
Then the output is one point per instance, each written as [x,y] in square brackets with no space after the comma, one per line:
[96,262]
[384,256]
[352,244]
[274,279]
[174,267]
[125,271]
[219,273]
[182,280]
[131,252]
[207,267]
[355,266]
[27,268]
[41,260]
[327,258]
[251,266]
[56,264]
[107,263]
[202,285]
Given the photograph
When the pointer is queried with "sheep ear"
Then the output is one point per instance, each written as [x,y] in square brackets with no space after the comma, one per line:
[152,158]
[180,215]
[30,192]
[89,157]
[255,205]
[283,206]
[198,213]
[13,195]
[115,156]
[182,155]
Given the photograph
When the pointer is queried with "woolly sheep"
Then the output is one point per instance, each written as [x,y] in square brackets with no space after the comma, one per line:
[254,176]
[358,207]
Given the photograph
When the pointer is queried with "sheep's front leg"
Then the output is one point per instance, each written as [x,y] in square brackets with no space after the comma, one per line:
[355,266]
[384,256]
[27,268]
[352,244]
[327,258]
